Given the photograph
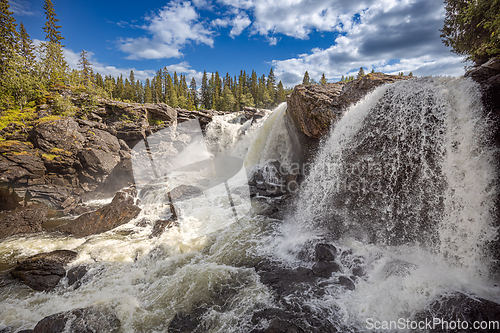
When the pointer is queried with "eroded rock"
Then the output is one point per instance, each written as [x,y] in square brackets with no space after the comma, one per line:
[43,271]
[23,221]
[120,211]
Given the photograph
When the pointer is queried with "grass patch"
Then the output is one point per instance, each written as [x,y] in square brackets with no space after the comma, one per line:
[156,122]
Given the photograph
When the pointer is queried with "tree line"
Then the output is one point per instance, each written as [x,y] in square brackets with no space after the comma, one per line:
[28,72]
[221,93]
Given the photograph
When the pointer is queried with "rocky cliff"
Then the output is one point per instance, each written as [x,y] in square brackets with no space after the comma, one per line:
[312,109]
[56,160]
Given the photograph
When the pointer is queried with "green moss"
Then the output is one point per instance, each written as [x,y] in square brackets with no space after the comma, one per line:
[16,116]
[49,157]
[47,119]
[59,151]
[156,122]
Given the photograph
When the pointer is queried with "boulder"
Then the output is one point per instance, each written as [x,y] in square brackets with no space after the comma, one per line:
[23,221]
[76,274]
[19,162]
[84,320]
[313,108]
[160,226]
[460,307]
[120,211]
[185,192]
[43,271]
[61,134]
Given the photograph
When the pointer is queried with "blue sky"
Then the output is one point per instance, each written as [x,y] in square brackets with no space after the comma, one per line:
[335,37]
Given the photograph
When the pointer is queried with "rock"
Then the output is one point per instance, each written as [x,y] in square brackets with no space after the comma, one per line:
[186,322]
[160,226]
[98,161]
[19,161]
[281,279]
[347,282]
[24,221]
[313,108]
[61,134]
[120,211]
[460,307]
[76,274]
[9,199]
[325,252]
[325,269]
[185,192]
[84,320]
[51,195]
[43,271]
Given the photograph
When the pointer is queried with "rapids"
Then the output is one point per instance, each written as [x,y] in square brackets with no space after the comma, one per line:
[404,185]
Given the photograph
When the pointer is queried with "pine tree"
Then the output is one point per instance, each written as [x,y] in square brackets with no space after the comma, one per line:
[281,94]
[85,67]
[373,71]
[361,73]
[254,86]
[194,93]
[323,79]
[26,48]
[411,74]
[51,28]
[8,34]
[306,79]
[205,91]
[148,96]
[52,58]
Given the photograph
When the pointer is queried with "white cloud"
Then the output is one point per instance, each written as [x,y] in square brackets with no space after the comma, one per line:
[21,7]
[239,23]
[390,36]
[174,26]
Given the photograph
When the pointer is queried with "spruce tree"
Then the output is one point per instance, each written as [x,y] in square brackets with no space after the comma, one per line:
[306,79]
[26,48]
[148,96]
[85,67]
[361,73]
[205,91]
[51,28]
[54,66]
[323,79]
[194,93]
[8,36]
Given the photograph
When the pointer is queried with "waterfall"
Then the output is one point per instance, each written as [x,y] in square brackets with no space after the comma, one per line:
[403,187]
[408,164]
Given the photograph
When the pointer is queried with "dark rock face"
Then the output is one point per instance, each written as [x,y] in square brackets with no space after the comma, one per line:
[24,221]
[61,134]
[86,320]
[160,226]
[461,307]
[313,108]
[120,211]
[42,272]
[76,274]
[185,192]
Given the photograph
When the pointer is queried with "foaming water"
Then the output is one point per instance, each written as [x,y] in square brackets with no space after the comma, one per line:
[403,187]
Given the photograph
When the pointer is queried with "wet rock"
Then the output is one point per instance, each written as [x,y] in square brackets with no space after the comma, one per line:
[358,271]
[160,226]
[9,199]
[185,192]
[313,108]
[325,252]
[325,269]
[281,279]
[76,274]
[460,307]
[84,320]
[347,282]
[23,221]
[43,271]
[120,211]
[186,322]
[54,196]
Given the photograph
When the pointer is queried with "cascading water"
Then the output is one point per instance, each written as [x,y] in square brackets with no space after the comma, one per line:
[403,187]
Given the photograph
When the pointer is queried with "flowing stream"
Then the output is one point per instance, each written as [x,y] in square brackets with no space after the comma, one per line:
[404,185]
